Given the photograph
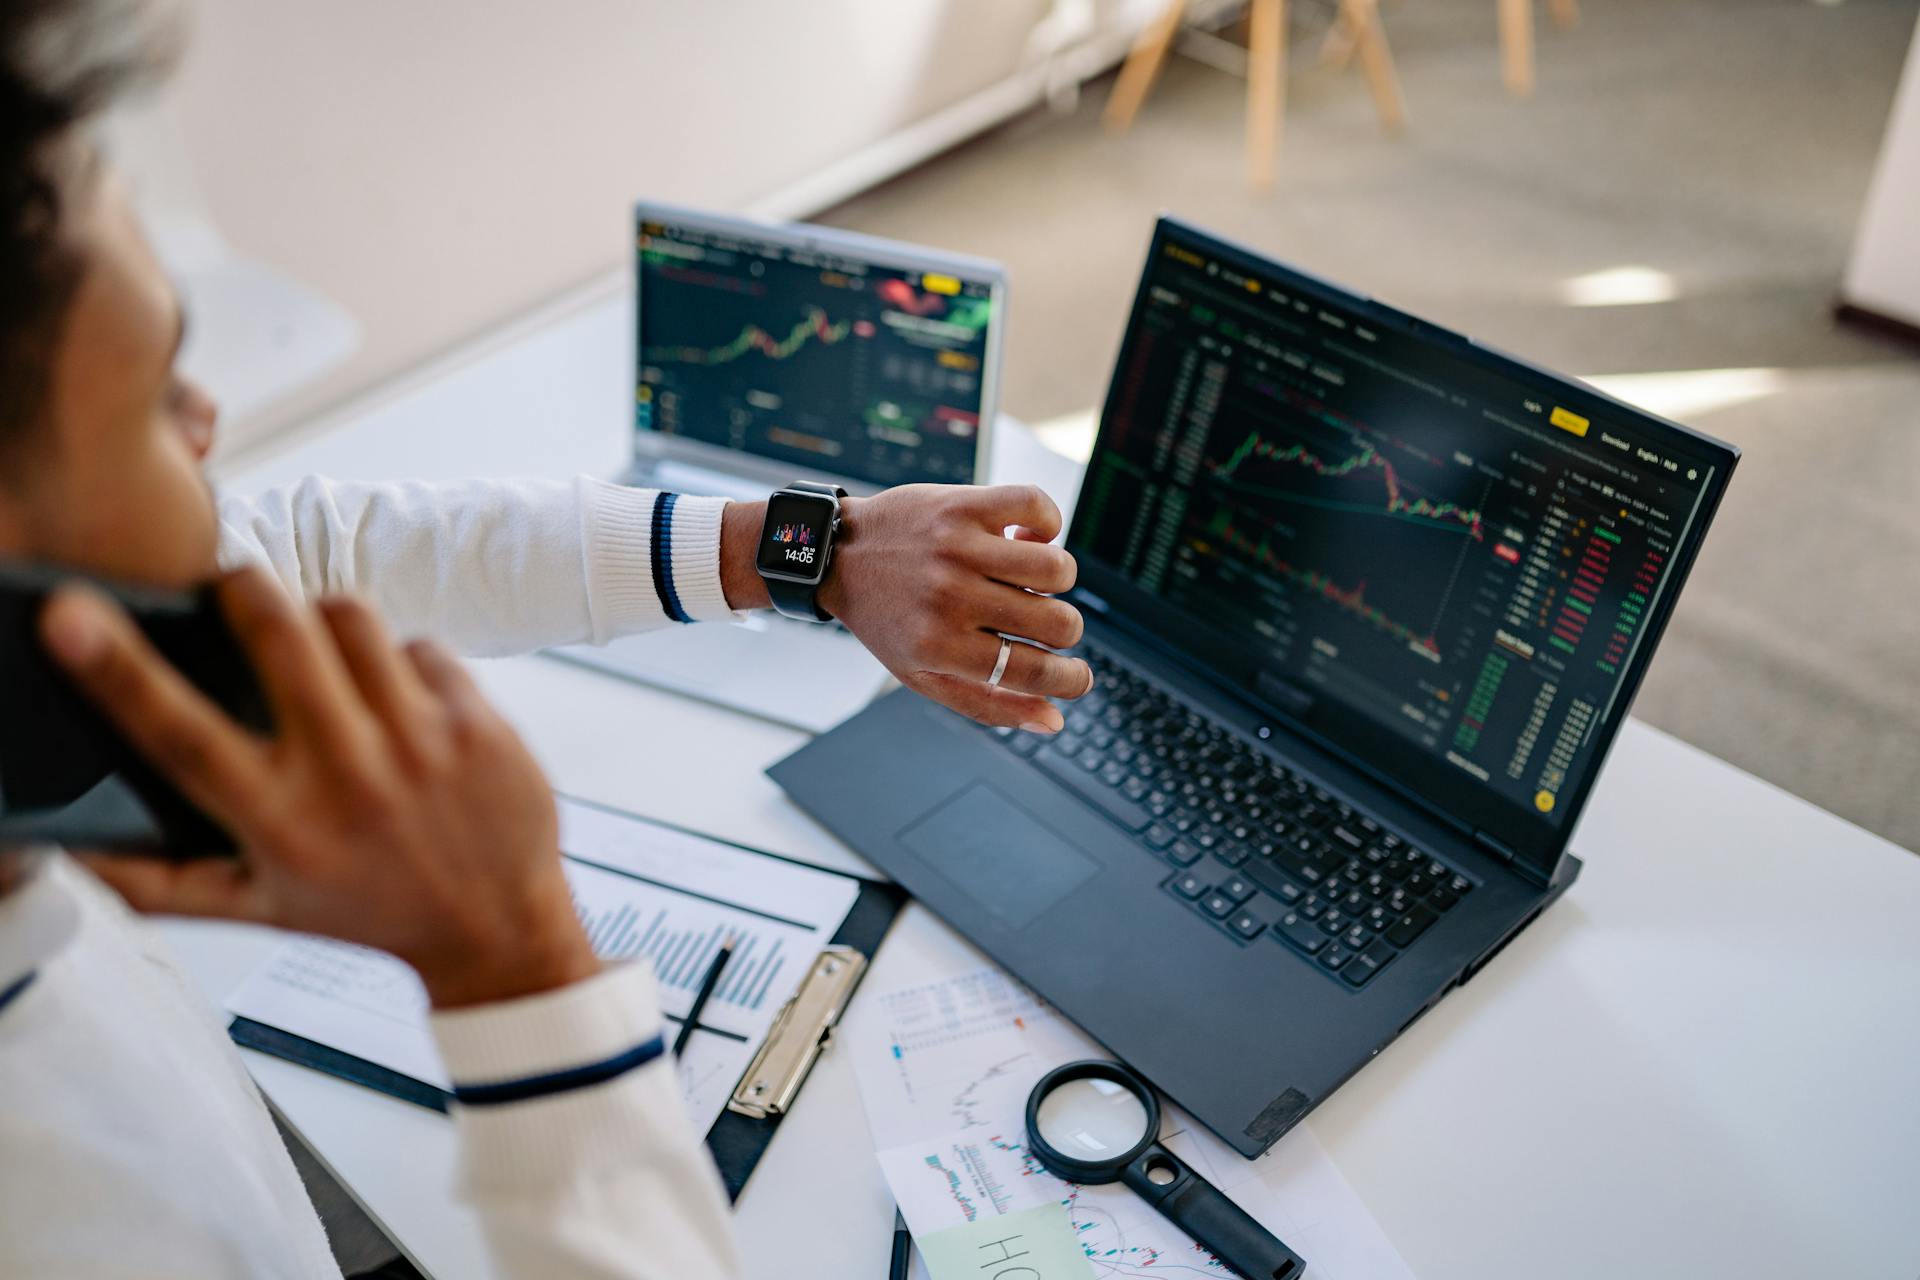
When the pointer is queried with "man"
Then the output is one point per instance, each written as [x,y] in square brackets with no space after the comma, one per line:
[392,807]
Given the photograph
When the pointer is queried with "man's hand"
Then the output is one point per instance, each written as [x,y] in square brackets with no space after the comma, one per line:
[927,578]
[393,807]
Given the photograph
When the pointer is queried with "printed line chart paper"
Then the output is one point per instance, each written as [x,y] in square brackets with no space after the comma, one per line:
[645,893]
[944,1070]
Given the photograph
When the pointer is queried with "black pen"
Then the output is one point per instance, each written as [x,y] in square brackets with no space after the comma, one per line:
[707,984]
[902,1247]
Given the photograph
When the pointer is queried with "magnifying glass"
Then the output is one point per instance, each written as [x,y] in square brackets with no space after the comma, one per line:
[1099,1122]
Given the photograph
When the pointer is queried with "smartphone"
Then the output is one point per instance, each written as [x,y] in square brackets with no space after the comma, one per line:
[67,776]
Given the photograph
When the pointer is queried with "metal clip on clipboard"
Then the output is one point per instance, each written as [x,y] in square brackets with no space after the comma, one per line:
[798,1034]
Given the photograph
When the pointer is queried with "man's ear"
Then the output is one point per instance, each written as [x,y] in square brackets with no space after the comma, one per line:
[199,415]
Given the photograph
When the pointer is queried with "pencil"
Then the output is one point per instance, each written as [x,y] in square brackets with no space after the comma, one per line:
[707,984]
[902,1247]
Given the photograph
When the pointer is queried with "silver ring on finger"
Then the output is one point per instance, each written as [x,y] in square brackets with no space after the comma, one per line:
[1000,663]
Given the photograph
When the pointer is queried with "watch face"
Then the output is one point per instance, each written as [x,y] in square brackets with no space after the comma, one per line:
[794,544]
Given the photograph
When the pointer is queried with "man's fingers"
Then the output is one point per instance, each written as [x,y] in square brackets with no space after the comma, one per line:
[1025,505]
[213,761]
[1041,619]
[442,673]
[1034,670]
[469,715]
[1030,668]
[218,887]
[973,699]
[295,659]
[1026,562]
[385,678]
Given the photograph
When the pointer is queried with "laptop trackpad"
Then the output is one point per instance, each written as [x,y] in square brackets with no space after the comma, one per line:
[998,854]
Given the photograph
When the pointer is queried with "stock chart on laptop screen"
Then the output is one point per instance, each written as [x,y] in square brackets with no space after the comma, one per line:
[1383,524]
[809,357]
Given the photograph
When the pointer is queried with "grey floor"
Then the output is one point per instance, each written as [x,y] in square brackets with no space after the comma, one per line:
[1727,143]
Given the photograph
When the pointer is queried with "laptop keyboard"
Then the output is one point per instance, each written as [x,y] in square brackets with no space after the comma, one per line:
[1257,851]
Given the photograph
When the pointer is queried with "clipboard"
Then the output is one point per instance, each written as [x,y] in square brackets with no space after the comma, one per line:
[775,1075]
[800,1034]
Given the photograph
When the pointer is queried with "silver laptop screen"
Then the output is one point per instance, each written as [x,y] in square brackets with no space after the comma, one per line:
[810,354]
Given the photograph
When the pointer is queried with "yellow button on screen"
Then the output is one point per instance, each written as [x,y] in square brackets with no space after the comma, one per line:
[1567,420]
[939,284]
[1543,801]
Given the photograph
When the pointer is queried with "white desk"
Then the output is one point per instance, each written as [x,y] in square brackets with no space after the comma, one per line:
[1701,1063]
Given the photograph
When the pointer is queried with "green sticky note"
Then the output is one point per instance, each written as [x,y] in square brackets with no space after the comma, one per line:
[1034,1244]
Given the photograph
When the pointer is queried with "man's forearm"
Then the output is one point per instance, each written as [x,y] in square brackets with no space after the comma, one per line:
[490,566]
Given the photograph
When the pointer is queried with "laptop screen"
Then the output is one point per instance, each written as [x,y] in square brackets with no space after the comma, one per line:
[802,348]
[1442,562]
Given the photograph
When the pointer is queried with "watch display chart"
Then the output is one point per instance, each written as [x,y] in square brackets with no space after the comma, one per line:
[794,544]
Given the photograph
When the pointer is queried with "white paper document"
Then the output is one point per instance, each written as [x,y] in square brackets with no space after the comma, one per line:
[945,1069]
[645,893]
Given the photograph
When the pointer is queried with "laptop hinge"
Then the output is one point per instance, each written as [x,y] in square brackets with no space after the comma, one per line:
[1525,870]
[1499,850]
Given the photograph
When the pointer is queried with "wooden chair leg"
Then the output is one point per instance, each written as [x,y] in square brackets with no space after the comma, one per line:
[1376,60]
[1266,87]
[1339,45]
[1516,46]
[1566,13]
[1143,67]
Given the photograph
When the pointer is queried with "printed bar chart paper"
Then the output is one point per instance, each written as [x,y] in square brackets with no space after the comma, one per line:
[645,893]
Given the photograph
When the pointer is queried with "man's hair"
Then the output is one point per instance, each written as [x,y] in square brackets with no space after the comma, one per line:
[62,62]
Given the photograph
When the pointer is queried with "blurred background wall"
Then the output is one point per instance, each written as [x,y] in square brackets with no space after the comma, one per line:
[435,167]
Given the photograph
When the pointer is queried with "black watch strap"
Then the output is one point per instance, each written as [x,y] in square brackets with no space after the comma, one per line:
[800,600]
[797,600]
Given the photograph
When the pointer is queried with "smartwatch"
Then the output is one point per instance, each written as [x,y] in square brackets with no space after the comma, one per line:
[796,547]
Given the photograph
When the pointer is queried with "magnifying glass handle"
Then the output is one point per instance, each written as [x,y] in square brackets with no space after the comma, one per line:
[1201,1210]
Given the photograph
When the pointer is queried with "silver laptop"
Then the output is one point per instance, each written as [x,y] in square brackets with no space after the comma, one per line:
[767,354]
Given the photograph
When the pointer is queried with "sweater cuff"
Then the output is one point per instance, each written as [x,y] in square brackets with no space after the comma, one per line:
[552,1033]
[695,558]
[633,1119]
[632,586]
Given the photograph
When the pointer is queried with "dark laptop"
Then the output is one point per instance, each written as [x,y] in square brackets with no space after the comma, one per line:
[1368,603]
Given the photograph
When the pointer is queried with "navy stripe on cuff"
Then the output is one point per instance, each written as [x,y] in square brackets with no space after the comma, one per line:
[490,1095]
[662,543]
[7,996]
